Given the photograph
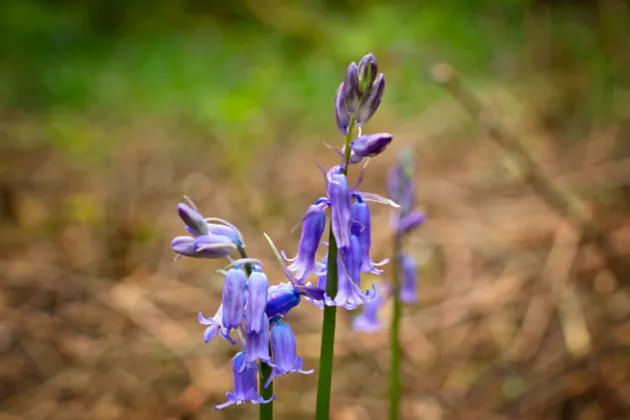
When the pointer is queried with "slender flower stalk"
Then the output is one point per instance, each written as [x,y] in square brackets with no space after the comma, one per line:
[357,99]
[404,284]
[326,353]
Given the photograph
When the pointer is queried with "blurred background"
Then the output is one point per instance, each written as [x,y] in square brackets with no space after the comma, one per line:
[111,111]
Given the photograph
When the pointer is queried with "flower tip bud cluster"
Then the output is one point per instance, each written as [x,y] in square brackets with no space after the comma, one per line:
[360,93]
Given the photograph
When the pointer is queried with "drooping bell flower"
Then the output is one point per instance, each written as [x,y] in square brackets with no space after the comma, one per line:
[368,320]
[281,299]
[257,346]
[361,228]
[339,199]
[257,293]
[313,227]
[349,293]
[288,295]
[215,326]
[285,358]
[245,385]
[409,286]
[233,299]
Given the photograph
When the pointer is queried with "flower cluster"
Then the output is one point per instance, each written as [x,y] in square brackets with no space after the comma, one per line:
[251,314]
[357,98]
[404,221]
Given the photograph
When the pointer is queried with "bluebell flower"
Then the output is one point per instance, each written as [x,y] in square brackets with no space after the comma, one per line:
[257,293]
[368,320]
[289,294]
[234,288]
[409,286]
[215,326]
[257,346]
[245,385]
[369,145]
[349,293]
[313,225]
[361,228]
[285,358]
[339,199]
[281,299]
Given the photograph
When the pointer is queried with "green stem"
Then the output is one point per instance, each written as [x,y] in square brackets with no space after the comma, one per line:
[265,410]
[327,350]
[394,373]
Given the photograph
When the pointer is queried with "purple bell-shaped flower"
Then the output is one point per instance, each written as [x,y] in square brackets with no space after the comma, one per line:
[245,385]
[285,358]
[233,299]
[313,227]
[349,293]
[257,293]
[361,228]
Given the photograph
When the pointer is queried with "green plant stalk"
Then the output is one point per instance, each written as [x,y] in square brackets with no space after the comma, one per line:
[265,410]
[327,349]
[394,373]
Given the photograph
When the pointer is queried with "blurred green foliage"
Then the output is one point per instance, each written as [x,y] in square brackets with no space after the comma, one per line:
[237,68]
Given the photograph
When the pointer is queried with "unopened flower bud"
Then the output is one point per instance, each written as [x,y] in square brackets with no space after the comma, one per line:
[371,145]
[351,93]
[371,102]
[367,70]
